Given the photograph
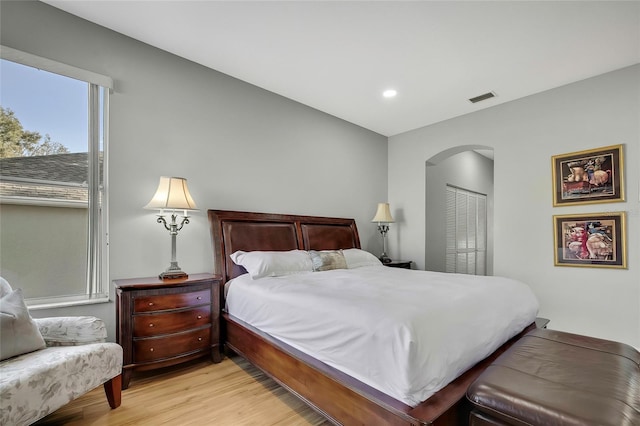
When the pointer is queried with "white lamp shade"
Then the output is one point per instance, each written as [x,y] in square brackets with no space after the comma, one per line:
[172,194]
[383,214]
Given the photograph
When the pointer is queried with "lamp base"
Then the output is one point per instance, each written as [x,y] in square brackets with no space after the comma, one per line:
[172,275]
[385,259]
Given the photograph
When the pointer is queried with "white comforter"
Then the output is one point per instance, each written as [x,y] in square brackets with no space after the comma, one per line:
[404,332]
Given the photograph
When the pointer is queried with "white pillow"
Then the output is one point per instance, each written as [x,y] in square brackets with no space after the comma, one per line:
[19,333]
[273,263]
[357,258]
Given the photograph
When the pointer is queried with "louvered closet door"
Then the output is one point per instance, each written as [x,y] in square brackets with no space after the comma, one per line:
[466,231]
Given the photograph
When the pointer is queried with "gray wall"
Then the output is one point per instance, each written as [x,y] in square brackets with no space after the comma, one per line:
[467,170]
[596,112]
[240,147]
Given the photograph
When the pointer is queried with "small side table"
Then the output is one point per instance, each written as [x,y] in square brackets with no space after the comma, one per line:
[406,264]
[166,322]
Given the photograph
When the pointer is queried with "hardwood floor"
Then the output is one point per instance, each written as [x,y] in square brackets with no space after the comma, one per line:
[201,393]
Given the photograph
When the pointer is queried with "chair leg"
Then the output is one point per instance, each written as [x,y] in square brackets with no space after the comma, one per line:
[113,389]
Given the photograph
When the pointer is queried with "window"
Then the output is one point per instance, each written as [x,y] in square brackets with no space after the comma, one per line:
[53,198]
[466,231]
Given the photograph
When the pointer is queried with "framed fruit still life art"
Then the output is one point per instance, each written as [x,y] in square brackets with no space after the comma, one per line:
[590,176]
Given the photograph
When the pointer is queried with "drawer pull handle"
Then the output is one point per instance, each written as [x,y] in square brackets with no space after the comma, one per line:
[150,303]
[199,297]
[150,324]
[199,316]
[151,350]
[199,339]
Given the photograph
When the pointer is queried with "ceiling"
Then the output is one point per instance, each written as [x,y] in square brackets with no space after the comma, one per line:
[339,56]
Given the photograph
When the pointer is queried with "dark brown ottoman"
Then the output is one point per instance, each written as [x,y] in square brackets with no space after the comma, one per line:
[553,378]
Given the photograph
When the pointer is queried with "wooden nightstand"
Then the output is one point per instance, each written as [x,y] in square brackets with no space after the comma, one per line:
[162,323]
[406,264]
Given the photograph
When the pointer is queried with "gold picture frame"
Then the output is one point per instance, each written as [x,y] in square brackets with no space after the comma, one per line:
[591,239]
[589,176]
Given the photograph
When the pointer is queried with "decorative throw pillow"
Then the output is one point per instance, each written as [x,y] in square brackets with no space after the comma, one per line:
[273,263]
[327,259]
[357,258]
[19,333]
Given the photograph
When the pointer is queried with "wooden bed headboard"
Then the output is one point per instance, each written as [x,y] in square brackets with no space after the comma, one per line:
[247,231]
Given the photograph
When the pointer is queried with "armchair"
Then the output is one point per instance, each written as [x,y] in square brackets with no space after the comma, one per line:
[75,360]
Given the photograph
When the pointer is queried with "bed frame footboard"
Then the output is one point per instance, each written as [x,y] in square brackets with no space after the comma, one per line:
[341,398]
[335,395]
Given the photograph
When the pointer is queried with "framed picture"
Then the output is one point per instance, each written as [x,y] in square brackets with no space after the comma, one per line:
[593,240]
[592,176]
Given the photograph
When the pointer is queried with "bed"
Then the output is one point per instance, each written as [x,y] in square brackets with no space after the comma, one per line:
[340,397]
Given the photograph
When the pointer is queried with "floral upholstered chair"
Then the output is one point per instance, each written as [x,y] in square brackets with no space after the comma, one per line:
[45,363]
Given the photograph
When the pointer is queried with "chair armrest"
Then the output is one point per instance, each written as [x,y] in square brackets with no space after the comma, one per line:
[72,331]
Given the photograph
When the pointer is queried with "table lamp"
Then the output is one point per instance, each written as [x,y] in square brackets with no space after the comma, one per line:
[383,217]
[172,195]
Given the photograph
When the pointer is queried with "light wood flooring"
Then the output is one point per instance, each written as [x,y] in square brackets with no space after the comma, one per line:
[201,393]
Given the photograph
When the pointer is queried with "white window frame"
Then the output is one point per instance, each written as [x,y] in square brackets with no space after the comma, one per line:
[97,290]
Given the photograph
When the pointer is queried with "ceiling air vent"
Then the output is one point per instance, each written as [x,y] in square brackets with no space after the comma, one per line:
[482,97]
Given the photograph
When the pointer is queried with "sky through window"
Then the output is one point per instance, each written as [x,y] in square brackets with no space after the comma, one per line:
[46,103]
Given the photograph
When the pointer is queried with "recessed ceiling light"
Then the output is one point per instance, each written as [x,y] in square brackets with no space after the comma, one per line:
[389,93]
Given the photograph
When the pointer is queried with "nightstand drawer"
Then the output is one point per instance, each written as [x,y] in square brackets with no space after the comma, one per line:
[171,301]
[152,349]
[145,325]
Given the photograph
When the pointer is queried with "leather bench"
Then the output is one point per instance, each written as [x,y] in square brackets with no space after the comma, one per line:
[554,378]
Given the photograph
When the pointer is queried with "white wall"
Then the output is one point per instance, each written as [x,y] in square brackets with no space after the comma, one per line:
[240,147]
[601,111]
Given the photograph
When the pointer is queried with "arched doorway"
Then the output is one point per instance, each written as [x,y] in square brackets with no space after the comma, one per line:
[469,168]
